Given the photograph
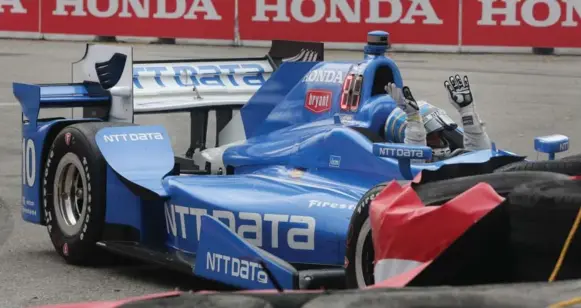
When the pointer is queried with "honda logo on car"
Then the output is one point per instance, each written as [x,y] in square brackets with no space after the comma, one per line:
[324,76]
[318,101]
[401,153]
[133,137]
[300,230]
[235,267]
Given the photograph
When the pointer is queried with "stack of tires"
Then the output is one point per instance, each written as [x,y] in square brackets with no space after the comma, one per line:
[544,237]
[539,221]
[570,165]
[544,218]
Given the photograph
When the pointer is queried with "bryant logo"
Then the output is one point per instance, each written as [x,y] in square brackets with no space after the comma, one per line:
[318,101]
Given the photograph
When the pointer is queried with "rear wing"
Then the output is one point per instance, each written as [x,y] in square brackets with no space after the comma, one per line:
[185,84]
[107,83]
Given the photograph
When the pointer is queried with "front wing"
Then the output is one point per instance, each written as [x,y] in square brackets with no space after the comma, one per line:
[223,256]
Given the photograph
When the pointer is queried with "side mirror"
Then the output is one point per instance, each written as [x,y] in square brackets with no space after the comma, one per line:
[404,154]
[552,144]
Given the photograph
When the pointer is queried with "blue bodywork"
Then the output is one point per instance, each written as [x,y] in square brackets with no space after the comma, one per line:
[294,184]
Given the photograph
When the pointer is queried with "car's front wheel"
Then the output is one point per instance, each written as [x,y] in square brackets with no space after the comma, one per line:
[360,255]
[74,193]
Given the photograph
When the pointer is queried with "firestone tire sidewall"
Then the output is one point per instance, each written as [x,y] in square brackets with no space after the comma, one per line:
[353,256]
[79,248]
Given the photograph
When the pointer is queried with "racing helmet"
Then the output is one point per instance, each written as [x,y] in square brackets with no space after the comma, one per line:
[435,121]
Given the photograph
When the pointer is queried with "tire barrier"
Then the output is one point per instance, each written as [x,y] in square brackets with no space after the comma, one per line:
[529,234]
[570,165]
[544,238]
[436,193]
[558,294]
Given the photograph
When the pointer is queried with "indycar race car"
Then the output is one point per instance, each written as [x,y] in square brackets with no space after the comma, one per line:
[298,144]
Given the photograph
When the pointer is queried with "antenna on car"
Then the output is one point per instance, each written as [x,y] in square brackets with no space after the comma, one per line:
[377,44]
[198,96]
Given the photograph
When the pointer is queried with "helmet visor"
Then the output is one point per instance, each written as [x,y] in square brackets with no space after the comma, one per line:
[438,120]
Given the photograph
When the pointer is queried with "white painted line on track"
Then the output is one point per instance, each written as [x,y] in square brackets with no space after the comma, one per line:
[5,105]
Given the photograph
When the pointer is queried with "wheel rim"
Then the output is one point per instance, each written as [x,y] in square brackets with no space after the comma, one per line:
[364,256]
[70,194]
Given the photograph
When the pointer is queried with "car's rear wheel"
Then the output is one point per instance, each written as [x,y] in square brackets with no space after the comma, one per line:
[74,193]
[360,254]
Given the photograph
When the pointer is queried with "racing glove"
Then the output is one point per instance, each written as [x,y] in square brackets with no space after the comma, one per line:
[415,132]
[460,96]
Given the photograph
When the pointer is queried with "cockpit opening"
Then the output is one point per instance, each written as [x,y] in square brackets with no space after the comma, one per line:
[383,76]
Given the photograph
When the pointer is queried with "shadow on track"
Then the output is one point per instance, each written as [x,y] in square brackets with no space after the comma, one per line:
[144,273]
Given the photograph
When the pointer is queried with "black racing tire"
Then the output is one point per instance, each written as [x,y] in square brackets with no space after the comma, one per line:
[541,217]
[359,261]
[76,169]
[436,193]
[570,165]
[359,253]
[574,157]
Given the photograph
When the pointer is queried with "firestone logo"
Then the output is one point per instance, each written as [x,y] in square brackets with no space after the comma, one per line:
[509,11]
[338,11]
[159,9]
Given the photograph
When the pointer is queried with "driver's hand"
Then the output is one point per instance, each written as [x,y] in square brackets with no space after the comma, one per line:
[404,100]
[459,92]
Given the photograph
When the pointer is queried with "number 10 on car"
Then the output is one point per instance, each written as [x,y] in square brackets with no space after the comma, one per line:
[28,162]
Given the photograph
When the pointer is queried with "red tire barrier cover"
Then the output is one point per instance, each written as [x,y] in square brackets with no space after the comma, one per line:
[408,236]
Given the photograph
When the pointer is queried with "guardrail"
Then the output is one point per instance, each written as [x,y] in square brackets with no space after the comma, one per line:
[492,26]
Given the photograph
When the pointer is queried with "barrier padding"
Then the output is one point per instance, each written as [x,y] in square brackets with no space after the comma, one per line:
[556,294]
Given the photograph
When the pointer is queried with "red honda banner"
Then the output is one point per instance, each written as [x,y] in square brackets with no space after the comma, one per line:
[524,23]
[409,22]
[484,23]
[199,19]
[20,15]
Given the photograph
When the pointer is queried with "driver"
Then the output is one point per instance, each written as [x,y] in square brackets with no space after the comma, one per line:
[419,123]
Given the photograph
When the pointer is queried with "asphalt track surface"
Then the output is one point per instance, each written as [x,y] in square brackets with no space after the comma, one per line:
[518,96]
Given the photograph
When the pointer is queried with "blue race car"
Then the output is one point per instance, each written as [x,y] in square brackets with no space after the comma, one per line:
[266,205]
